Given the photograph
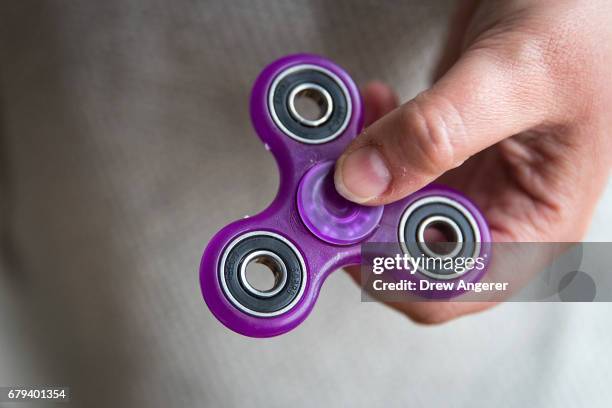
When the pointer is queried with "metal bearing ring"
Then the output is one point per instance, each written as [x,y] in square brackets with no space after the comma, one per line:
[319,95]
[449,213]
[283,259]
[321,85]
[274,263]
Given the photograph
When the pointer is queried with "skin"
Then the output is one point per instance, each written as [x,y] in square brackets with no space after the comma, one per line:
[517,119]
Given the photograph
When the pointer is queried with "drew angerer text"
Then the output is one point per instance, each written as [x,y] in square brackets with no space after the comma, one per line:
[412,264]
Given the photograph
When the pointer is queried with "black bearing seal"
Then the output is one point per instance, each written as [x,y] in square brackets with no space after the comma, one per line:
[242,297]
[442,207]
[278,104]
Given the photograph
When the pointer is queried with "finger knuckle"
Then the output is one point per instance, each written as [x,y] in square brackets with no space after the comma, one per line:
[425,135]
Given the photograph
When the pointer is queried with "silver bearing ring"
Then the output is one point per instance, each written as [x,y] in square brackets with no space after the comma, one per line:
[276,252]
[325,88]
[428,211]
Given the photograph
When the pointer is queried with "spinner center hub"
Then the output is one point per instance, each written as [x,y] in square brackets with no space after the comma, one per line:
[328,215]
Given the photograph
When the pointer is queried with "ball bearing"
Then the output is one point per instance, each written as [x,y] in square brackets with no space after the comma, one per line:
[325,89]
[280,256]
[449,214]
[318,95]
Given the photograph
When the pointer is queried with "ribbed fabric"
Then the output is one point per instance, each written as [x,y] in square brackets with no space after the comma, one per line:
[126,143]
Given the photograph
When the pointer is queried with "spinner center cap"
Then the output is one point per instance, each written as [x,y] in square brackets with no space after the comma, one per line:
[327,214]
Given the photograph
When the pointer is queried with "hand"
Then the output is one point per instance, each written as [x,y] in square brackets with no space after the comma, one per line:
[518,120]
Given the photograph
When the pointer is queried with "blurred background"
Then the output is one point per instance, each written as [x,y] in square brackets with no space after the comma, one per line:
[125,144]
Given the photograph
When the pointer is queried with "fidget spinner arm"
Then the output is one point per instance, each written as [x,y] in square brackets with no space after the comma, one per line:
[309,230]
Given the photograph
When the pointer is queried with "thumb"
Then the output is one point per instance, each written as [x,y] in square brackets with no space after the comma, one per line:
[486,96]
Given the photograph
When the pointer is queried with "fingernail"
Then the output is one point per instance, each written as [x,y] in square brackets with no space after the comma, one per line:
[362,175]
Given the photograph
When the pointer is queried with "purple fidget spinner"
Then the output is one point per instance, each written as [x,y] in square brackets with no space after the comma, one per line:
[309,230]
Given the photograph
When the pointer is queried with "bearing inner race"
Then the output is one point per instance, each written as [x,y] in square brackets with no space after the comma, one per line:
[316,94]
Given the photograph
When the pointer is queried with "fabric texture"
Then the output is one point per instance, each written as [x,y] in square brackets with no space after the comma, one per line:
[126,144]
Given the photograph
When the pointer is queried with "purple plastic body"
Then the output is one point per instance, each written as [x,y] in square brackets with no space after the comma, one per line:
[304,203]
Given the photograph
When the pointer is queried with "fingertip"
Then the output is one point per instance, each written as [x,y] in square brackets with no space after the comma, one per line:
[378,87]
[436,313]
[362,175]
[378,99]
